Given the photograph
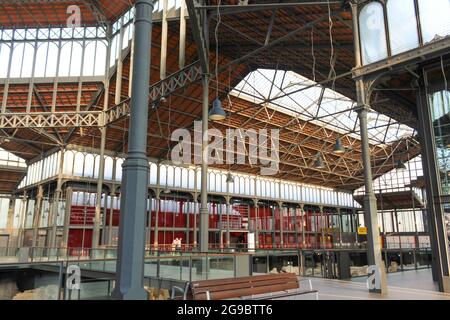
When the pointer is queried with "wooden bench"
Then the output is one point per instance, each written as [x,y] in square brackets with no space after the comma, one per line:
[268,286]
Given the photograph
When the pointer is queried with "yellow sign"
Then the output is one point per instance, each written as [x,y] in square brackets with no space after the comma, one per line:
[362,230]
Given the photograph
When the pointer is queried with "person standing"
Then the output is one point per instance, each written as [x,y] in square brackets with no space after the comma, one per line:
[178,245]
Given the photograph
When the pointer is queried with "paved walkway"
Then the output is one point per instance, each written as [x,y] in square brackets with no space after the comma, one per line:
[408,285]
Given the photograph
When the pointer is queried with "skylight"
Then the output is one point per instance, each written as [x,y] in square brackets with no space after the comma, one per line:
[8,159]
[293,94]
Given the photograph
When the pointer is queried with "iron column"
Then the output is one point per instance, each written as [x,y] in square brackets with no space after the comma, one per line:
[131,247]
[370,204]
[204,219]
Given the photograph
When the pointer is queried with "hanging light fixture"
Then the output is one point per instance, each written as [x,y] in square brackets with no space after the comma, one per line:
[400,165]
[230,178]
[318,163]
[217,113]
[338,147]
[167,191]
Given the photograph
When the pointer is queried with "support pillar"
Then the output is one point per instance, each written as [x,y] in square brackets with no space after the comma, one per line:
[55,205]
[303,225]
[119,72]
[370,204]
[195,240]
[69,192]
[37,214]
[280,207]
[157,197]
[164,31]
[255,203]
[182,50]
[341,226]
[98,203]
[435,210]
[131,247]
[204,215]
[111,215]
[156,228]
[22,217]
[10,217]
[101,169]
[227,236]
[320,226]
[104,209]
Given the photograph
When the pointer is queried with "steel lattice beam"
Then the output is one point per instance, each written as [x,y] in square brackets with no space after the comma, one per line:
[51,120]
[163,88]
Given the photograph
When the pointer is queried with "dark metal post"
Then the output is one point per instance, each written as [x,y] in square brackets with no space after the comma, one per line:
[204,217]
[435,214]
[131,247]
[370,204]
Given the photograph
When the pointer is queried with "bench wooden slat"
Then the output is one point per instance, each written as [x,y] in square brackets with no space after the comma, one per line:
[242,279]
[241,292]
[245,286]
[231,286]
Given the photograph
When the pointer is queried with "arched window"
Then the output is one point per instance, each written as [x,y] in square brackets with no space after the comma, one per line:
[77,56]
[45,165]
[30,175]
[100,59]
[16,62]
[277,190]
[162,174]
[212,181]
[119,163]
[89,166]
[184,178]
[28,61]
[96,166]
[89,58]
[78,164]
[223,187]
[258,188]
[402,23]
[199,179]
[41,57]
[113,56]
[170,176]
[108,168]
[372,33]
[219,178]
[68,162]
[4,59]
[52,60]
[39,170]
[125,41]
[54,168]
[247,186]
[64,63]
[153,173]
[178,177]
[252,186]
[263,188]
[434,18]
[241,185]
[191,183]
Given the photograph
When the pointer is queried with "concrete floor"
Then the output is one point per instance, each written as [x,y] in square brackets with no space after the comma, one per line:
[408,285]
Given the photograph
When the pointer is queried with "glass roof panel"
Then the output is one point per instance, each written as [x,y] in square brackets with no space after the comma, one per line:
[293,94]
